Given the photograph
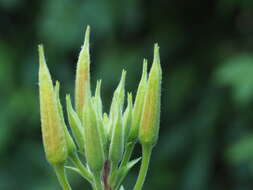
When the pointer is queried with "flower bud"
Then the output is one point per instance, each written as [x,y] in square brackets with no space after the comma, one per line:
[93,142]
[149,127]
[117,101]
[138,104]
[128,116]
[117,141]
[82,83]
[70,143]
[52,130]
[75,124]
[96,101]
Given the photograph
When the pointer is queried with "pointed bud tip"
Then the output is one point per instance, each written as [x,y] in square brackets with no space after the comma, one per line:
[144,69]
[129,97]
[156,53]
[87,36]
[41,54]
[57,84]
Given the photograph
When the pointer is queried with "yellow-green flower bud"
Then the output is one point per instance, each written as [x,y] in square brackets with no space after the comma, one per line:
[149,127]
[52,130]
[75,124]
[138,104]
[82,83]
[70,143]
[128,115]
[93,142]
[117,142]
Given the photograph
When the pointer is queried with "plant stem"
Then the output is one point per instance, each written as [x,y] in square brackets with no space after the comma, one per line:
[84,171]
[97,181]
[106,173]
[146,154]
[127,153]
[62,178]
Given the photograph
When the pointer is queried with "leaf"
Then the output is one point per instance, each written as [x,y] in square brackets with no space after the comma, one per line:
[123,171]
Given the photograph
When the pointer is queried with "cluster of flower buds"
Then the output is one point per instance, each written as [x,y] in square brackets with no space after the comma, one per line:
[105,140]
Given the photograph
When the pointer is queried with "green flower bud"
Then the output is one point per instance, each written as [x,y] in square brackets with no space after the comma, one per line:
[117,142]
[82,83]
[117,101]
[52,129]
[95,102]
[75,124]
[93,143]
[70,143]
[149,127]
[138,104]
[128,115]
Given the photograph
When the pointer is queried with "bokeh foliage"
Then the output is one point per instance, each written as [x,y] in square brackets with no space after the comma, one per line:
[206,139]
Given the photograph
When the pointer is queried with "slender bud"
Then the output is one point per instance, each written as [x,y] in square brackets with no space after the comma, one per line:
[75,124]
[70,143]
[117,142]
[138,104]
[93,143]
[117,101]
[52,130]
[82,83]
[101,129]
[128,115]
[149,127]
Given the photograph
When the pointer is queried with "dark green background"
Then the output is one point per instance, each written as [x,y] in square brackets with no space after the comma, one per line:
[206,136]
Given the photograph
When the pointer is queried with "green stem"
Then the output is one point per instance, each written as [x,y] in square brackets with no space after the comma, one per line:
[146,154]
[84,171]
[127,153]
[62,178]
[97,180]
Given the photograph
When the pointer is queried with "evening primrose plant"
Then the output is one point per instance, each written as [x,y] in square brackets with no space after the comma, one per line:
[104,140]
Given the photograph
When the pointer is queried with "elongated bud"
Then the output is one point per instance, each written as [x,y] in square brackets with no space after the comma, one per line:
[70,143]
[82,83]
[101,129]
[149,127]
[52,130]
[75,124]
[117,101]
[138,104]
[93,143]
[128,115]
[117,141]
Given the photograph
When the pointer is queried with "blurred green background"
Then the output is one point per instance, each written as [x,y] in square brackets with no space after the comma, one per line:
[206,137]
